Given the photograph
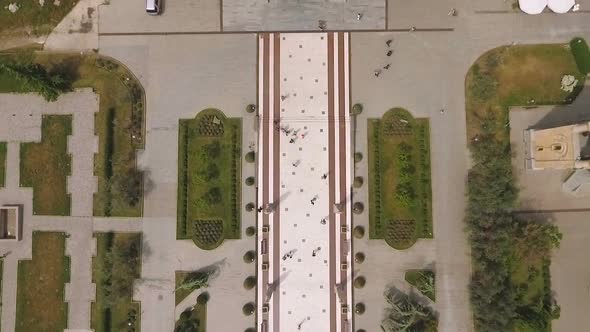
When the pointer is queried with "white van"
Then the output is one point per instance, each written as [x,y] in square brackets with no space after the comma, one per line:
[152,7]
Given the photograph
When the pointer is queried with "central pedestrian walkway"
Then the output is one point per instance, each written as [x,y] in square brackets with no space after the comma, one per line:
[304,172]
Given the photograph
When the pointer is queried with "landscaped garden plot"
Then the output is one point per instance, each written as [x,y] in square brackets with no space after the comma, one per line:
[115,268]
[118,123]
[423,281]
[40,303]
[510,286]
[46,165]
[32,16]
[399,174]
[194,319]
[2,164]
[209,173]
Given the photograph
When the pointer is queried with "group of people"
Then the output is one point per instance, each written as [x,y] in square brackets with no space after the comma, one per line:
[389,52]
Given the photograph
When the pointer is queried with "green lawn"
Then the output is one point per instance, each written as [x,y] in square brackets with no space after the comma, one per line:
[517,75]
[2,164]
[581,53]
[420,280]
[180,294]
[119,123]
[40,299]
[507,76]
[45,166]
[32,16]
[400,193]
[115,267]
[209,178]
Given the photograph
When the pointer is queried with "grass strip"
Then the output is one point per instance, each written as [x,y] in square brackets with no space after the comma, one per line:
[115,268]
[45,166]
[40,302]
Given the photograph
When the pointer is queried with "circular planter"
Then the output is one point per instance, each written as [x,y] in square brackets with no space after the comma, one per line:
[250,157]
[359,308]
[203,298]
[358,208]
[250,207]
[250,231]
[359,257]
[358,232]
[249,257]
[250,180]
[359,282]
[357,109]
[358,182]
[358,157]
[248,309]
[249,282]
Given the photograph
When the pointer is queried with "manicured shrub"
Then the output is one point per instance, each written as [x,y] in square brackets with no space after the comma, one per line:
[250,231]
[248,309]
[203,298]
[250,180]
[250,157]
[249,282]
[359,232]
[250,207]
[358,157]
[581,54]
[249,256]
[359,308]
[358,182]
[358,208]
[357,109]
[359,257]
[359,282]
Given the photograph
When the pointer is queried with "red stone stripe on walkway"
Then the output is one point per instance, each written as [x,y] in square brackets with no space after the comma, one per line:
[276,181]
[342,167]
[331,180]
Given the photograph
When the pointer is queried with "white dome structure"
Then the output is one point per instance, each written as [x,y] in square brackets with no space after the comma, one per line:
[533,7]
[560,6]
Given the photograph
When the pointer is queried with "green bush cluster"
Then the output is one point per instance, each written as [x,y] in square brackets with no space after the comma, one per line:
[376,172]
[183,179]
[106,64]
[120,268]
[135,126]
[35,77]
[208,233]
[581,54]
[502,243]
[235,173]
[208,127]
[401,233]
[397,124]
[404,191]
[425,182]
[483,85]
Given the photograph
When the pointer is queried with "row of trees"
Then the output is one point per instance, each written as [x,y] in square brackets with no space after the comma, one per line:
[499,240]
[35,77]
[120,268]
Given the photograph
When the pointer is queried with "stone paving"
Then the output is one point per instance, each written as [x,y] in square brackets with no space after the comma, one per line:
[304,164]
[285,15]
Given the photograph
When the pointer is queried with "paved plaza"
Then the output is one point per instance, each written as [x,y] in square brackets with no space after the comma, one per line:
[216,54]
[305,167]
